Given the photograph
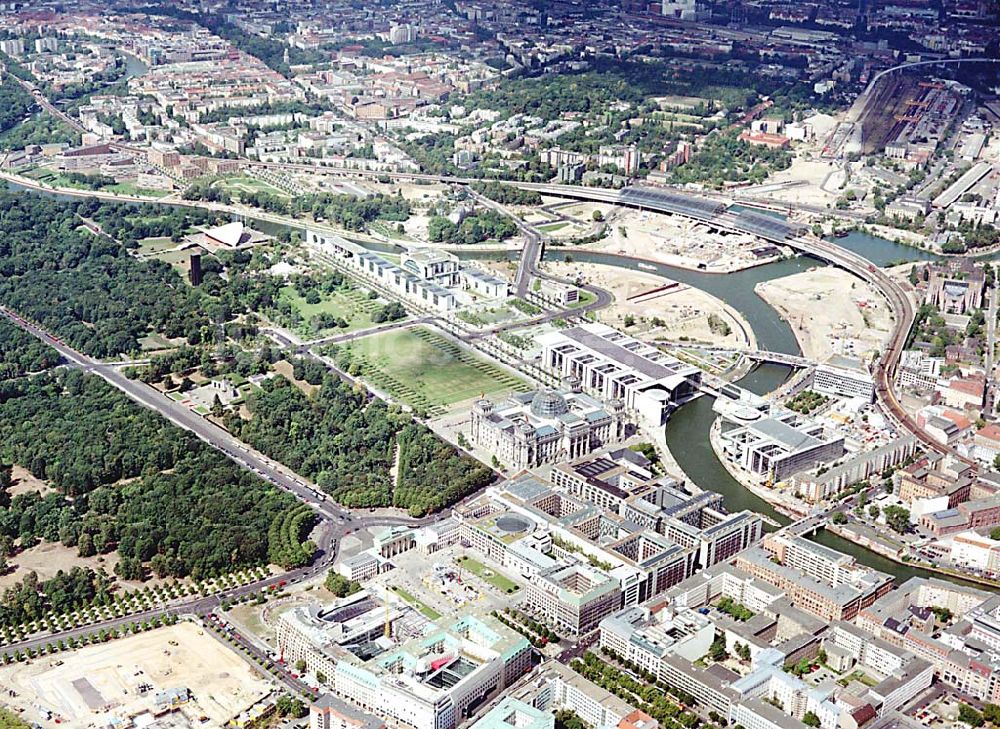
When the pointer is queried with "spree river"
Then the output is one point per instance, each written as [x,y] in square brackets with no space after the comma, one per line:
[687,432]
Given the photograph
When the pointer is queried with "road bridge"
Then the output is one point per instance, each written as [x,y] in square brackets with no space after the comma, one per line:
[715,213]
[758,355]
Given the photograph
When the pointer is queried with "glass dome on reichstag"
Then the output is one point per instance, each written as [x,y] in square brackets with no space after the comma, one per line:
[548,404]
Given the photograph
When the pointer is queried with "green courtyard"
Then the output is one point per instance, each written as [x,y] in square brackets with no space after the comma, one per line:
[485,573]
[428,612]
[424,369]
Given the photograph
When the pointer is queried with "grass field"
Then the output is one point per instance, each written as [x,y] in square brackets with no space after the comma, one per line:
[426,371]
[245,183]
[428,612]
[388,229]
[155,342]
[58,179]
[485,573]
[553,227]
[585,298]
[352,305]
[177,259]
[129,188]
[155,245]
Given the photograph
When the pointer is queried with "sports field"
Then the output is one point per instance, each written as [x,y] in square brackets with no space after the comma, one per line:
[426,371]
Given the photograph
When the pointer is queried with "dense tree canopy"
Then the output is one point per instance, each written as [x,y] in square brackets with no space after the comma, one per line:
[482,226]
[138,483]
[347,442]
[101,300]
[21,353]
[507,194]
[15,103]
[84,287]
[725,158]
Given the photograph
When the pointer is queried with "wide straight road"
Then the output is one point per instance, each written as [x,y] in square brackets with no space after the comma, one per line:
[184,418]
[215,436]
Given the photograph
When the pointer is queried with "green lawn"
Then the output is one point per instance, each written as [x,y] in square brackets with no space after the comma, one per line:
[58,179]
[156,245]
[178,259]
[353,305]
[10,720]
[154,342]
[553,227]
[426,371]
[388,229]
[245,183]
[428,612]
[129,188]
[488,316]
[585,298]
[485,573]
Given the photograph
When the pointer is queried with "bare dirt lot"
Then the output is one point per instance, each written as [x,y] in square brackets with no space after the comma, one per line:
[47,558]
[678,241]
[830,311]
[25,483]
[683,311]
[97,683]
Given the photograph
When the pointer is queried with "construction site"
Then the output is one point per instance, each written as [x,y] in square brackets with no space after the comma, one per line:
[178,675]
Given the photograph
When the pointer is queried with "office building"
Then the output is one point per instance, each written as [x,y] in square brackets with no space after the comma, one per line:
[817,487]
[844,377]
[965,653]
[977,514]
[621,482]
[918,371]
[529,528]
[573,598]
[933,483]
[565,689]
[644,637]
[614,366]
[777,446]
[817,579]
[400,282]
[513,714]
[429,681]
[545,426]
[329,712]
[956,286]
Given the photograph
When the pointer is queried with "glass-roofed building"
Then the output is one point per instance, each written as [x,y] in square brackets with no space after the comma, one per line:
[545,426]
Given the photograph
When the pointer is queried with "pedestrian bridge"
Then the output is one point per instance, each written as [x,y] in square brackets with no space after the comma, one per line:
[757,355]
[781,358]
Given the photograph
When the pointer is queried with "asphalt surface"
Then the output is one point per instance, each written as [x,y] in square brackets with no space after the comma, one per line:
[335,521]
